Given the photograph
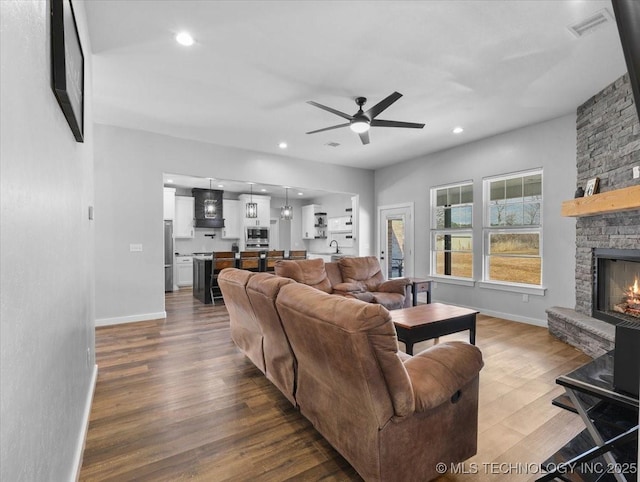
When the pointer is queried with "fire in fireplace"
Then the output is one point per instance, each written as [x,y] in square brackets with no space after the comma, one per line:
[616,288]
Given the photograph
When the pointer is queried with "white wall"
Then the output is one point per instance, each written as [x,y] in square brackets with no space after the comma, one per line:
[128,190]
[550,145]
[46,253]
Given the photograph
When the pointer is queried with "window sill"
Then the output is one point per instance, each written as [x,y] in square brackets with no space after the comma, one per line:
[513,288]
[452,280]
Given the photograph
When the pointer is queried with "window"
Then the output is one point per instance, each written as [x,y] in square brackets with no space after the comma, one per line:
[513,228]
[451,233]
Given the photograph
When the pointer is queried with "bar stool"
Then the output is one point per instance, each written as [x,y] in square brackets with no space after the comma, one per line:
[299,254]
[219,261]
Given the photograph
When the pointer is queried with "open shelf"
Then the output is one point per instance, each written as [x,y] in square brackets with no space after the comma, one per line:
[615,201]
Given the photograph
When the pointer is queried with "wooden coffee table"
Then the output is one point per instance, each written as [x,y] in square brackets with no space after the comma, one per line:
[425,322]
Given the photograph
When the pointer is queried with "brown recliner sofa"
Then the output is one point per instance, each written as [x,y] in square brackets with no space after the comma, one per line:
[391,415]
[357,277]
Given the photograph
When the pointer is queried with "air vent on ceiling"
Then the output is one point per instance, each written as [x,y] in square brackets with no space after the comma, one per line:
[332,144]
[590,24]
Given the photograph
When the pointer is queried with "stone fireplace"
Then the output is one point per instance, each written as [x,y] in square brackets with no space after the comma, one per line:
[608,146]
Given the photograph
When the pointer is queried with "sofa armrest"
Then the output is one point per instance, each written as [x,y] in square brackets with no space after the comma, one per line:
[394,286]
[439,372]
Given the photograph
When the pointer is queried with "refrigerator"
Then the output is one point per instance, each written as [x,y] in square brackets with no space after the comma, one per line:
[168,256]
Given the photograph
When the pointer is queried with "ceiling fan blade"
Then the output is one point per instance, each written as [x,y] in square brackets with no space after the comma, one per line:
[329,109]
[329,128]
[382,105]
[389,123]
[364,137]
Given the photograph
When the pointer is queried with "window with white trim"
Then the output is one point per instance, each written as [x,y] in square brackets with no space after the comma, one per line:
[451,230]
[513,228]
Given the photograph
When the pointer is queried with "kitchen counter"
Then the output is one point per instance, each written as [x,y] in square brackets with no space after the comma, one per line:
[328,257]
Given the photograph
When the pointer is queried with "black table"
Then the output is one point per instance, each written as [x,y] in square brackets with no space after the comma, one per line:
[433,320]
[607,448]
[420,285]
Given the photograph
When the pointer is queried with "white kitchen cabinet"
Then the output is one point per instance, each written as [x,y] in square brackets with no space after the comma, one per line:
[184,266]
[169,203]
[314,222]
[264,210]
[183,224]
[232,219]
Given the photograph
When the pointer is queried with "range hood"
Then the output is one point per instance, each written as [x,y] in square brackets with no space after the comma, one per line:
[212,220]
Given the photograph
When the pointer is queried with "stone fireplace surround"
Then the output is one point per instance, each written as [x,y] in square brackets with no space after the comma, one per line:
[608,146]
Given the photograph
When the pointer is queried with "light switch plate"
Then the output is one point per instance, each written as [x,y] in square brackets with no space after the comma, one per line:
[636,172]
[135,247]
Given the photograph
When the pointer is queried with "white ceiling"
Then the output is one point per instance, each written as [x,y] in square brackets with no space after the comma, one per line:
[488,66]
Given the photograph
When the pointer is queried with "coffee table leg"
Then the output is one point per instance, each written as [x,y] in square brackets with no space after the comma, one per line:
[408,347]
[472,331]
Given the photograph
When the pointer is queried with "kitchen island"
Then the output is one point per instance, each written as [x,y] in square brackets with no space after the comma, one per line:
[202,279]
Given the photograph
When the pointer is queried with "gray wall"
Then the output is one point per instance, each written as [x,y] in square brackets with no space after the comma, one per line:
[46,252]
[128,191]
[550,145]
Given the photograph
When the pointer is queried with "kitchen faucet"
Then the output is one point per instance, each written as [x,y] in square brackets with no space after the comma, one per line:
[337,247]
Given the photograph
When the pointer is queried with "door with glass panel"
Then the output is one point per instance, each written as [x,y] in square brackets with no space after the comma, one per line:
[396,240]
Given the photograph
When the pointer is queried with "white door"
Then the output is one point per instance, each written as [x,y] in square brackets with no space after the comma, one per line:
[396,240]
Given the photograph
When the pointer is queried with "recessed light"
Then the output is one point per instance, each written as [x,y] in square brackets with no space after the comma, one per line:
[184,38]
[300,193]
[458,130]
[169,181]
[282,145]
[220,185]
[263,190]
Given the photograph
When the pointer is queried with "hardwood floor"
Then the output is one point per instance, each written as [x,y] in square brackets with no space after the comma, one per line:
[176,400]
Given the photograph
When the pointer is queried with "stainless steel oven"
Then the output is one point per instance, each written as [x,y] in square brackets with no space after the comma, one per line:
[257,238]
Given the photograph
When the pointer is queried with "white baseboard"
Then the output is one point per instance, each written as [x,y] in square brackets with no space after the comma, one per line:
[512,317]
[131,318]
[499,314]
[84,428]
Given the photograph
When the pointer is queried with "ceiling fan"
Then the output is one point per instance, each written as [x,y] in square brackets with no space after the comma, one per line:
[360,122]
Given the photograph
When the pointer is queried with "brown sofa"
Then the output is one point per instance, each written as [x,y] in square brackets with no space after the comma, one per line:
[391,415]
[357,277]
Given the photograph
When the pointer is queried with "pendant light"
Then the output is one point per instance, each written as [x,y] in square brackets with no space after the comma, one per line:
[210,210]
[251,207]
[286,211]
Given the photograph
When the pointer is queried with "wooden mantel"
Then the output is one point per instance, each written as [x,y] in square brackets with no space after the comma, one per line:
[607,202]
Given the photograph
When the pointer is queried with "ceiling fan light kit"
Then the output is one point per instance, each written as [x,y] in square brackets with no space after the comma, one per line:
[360,122]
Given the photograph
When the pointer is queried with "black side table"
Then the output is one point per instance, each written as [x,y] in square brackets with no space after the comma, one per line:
[611,420]
[420,285]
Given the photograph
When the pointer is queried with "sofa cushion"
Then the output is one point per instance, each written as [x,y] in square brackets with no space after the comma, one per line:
[364,271]
[391,301]
[310,272]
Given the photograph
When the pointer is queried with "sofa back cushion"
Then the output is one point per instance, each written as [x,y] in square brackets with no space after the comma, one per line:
[245,329]
[349,370]
[280,363]
[364,271]
[333,273]
[310,272]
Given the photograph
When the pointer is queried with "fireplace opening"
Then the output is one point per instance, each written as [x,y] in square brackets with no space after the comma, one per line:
[616,286]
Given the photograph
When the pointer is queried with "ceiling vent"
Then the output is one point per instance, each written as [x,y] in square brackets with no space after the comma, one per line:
[332,144]
[590,24]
